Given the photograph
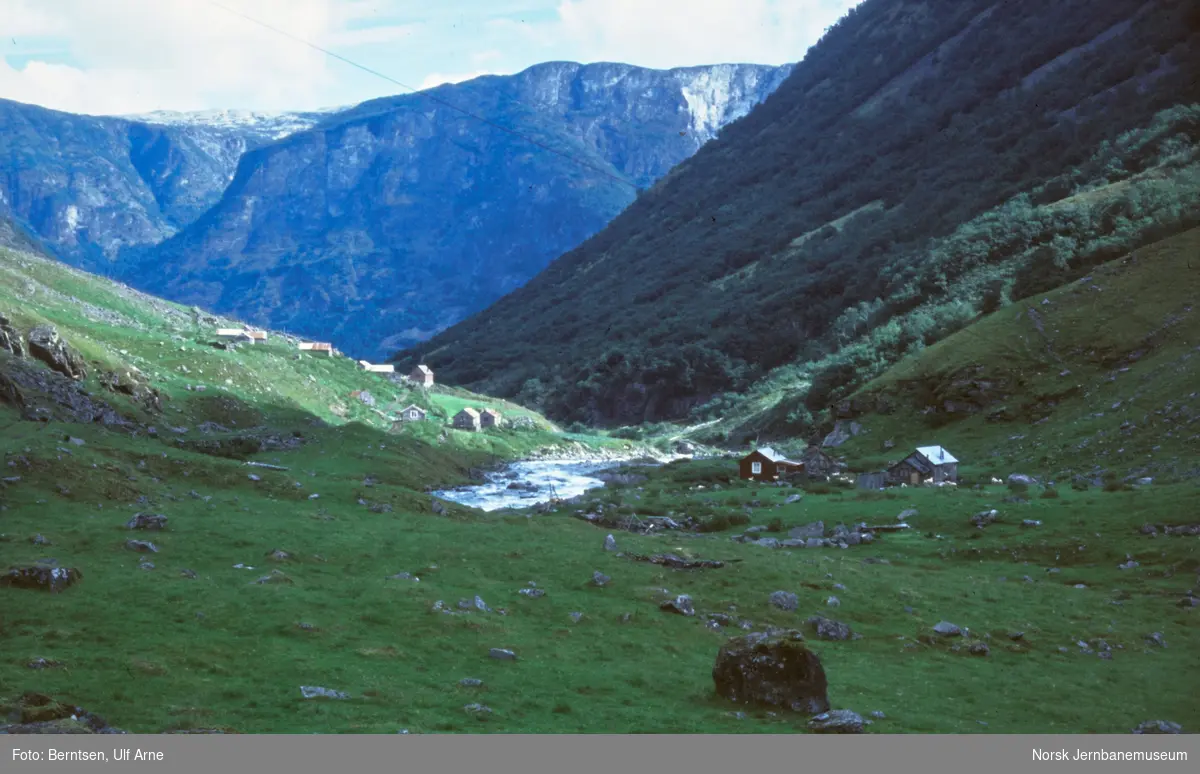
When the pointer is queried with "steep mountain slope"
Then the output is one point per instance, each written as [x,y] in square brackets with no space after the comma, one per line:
[806,224]
[393,220]
[90,186]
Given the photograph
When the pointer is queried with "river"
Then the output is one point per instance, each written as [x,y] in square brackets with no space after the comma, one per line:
[536,481]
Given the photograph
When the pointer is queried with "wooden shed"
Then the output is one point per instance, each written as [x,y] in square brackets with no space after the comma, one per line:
[489,417]
[927,463]
[766,464]
[413,413]
[467,419]
[422,375]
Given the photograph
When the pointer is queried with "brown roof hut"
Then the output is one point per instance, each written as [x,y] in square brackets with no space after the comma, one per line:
[422,375]
[489,417]
[766,464]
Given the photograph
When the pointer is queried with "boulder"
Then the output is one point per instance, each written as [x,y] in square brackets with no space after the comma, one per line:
[984,518]
[836,722]
[814,530]
[828,629]
[681,604]
[10,339]
[774,670]
[149,521]
[47,346]
[784,600]
[1158,727]
[40,577]
[947,629]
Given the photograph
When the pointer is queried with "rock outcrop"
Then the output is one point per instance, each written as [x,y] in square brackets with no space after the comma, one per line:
[774,670]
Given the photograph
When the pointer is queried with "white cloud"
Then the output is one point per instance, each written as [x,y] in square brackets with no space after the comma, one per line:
[135,56]
[674,33]
[139,55]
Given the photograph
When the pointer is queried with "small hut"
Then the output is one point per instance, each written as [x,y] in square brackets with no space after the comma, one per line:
[489,417]
[467,419]
[927,463]
[413,413]
[766,464]
[422,375]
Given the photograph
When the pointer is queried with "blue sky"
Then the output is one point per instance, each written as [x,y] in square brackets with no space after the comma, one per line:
[133,56]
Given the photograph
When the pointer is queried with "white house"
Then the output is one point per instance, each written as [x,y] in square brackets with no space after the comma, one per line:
[377,369]
[315,346]
[231,332]
[413,413]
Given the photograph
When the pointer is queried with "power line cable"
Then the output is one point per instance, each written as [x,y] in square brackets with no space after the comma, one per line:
[426,94]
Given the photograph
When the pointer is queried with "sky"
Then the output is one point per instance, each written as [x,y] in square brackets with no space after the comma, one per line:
[119,57]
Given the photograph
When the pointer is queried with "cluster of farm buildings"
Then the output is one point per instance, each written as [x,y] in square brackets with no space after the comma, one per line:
[924,465]
[467,419]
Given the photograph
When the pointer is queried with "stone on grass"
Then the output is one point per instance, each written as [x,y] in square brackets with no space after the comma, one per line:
[774,670]
[317,692]
[827,629]
[784,600]
[148,521]
[681,604]
[141,546]
[947,629]
[502,654]
[599,578]
[610,543]
[836,722]
[1158,727]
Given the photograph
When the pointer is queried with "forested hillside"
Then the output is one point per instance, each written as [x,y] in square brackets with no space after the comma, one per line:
[924,163]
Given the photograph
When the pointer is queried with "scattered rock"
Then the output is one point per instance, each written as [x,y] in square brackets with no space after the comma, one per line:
[276,577]
[502,654]
[792,499]
[189,574]
[1158,727]
[784,600]
[878,715]
[947,629]
[906,514]
[44,663]
[147,521]
[610,543]
[317,692]
[535,593]
[477,709]
[836,722]
[1157,638]
[833,602]
[775,670]
[985,518]
[141,546]
[576,617]
[681,604]
[828,629]
[979,649]
[470,682]
[600,579]
[1020,479]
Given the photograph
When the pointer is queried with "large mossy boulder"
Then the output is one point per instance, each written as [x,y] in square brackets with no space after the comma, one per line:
[772,669]
[47,346]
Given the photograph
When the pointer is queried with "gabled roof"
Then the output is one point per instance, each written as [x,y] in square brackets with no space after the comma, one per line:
[424,369]
[413,406]
[773,455]
[491,411]
[936,454]
[469,412]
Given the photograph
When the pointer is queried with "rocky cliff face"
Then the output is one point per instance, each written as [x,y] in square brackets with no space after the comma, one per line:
[91,187]
[397,218]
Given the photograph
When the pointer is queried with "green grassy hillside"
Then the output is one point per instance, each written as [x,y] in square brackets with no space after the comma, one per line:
[328,573]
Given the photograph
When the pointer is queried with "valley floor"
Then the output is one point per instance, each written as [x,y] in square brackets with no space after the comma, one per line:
[260,587]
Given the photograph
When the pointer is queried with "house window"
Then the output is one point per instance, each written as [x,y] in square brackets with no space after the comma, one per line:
[756,468]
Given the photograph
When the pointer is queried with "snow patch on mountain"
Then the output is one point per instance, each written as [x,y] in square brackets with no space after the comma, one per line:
[276,125]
